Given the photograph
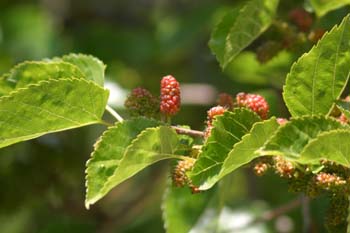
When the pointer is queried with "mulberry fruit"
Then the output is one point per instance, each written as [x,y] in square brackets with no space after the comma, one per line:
[211,113]
[179,177]
[141,102]
[170,96]
[256,103]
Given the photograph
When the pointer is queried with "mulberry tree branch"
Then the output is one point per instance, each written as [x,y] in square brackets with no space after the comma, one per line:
[190,132]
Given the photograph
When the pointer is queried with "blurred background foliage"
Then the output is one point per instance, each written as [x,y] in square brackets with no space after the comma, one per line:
[42,181]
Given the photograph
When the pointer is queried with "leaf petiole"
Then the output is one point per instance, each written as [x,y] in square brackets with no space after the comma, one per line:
[105,123]
[114,113]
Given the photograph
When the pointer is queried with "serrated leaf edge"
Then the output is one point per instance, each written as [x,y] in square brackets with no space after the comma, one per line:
[136,139]
[215,122]
[228,38]
[91,201]
[14,92]
[263,152]
[205,186]
[44,62]
[34,85]
[249,134]
[336,27]
[323,134]
[214,31]
[85,55]
[95,147]
[233,28]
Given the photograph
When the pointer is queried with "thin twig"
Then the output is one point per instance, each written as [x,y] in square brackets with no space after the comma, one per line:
[190,132]
[114,113]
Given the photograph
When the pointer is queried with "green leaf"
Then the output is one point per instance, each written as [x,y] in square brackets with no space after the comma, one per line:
[217,42]
[344,107]
[185,142]
[228,130]
[118,156]
[109,150]
[33,72]
[333,145]
[318,78]
[322,7]
[239,28]
[92,68]
[70,66]
[50,106]
[290,139]
[244,151]
[182,209]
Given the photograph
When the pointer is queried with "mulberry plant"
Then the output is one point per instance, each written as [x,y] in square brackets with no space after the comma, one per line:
[309,149]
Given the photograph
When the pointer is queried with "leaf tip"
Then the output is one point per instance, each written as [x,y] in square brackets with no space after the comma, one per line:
[87,205]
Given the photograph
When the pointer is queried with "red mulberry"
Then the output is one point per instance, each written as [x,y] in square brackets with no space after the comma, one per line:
[170,96]
[211,113]
[256,103]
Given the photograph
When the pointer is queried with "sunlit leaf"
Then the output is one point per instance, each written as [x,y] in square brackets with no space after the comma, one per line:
[219,34]
[333,145]
[322,7]
[244,151]
[50,106]
[109,150]
[92,68]
[150,146]
[290,139]
[228,130]
[239,28]
[319,77]
[33,72]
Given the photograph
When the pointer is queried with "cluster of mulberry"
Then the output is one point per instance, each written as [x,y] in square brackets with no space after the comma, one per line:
[141,102]
[260,168]
[211,114]
[328,181]
[179,176]
[169,95]
[256,103]
[283,167]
